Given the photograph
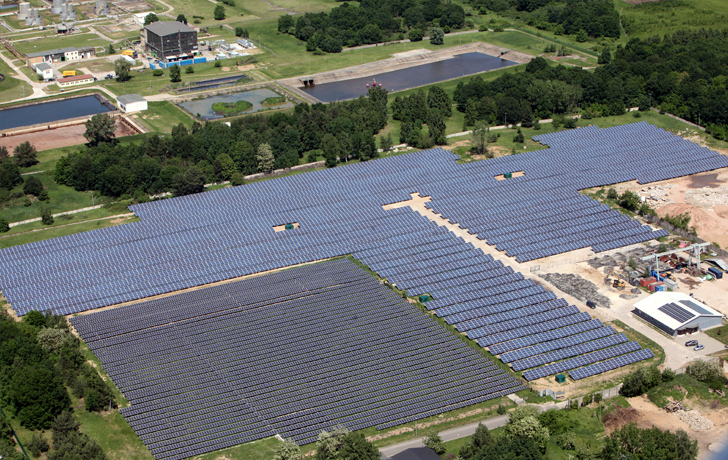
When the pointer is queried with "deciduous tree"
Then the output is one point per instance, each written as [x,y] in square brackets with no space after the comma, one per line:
[100,129]
[121,68]
[25,155]
[265,158]
[437,36]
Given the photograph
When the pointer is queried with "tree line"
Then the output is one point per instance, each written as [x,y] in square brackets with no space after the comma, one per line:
[373,21]
[212,152]
[684,74]
[582,18]
[39,360]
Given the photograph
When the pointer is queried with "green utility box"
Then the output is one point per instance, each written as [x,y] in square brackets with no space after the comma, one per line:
[289,226]
[424,298]
[508,175]
[561,378]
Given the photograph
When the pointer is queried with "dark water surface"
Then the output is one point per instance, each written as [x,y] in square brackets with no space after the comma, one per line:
[705,180]
[48,112]
[397,80]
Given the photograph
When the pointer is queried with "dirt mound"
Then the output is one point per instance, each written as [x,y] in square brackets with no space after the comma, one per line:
[618,418]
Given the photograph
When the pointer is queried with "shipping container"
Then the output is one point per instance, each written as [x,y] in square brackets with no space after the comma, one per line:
[715,272]
[644,282]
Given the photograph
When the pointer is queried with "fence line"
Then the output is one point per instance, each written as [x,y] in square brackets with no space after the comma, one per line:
[17,439]
[687,235]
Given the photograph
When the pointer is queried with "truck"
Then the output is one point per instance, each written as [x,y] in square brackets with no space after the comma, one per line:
[718,274]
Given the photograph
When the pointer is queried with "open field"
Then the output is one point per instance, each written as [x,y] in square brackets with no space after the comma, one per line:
[162,116]
[78,41]
[668,16]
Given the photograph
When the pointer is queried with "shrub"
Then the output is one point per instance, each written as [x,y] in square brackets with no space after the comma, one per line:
[566,441]
[612,194]
[43,195]
[32,186]
[4,225]
[639,381]
[37,445]
[189,69]
[598,396]
[587,400]
[46,216]
[237,179]
[668,375]
[705,371]
[218,64]
[158,72]
[434,442]
[501,409]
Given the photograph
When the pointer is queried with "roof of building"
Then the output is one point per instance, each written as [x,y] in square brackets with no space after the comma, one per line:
[163,28]
[719,262]
[129,98]
[75,78]
[674,309]
[49,52]
[416,453]
[43,66]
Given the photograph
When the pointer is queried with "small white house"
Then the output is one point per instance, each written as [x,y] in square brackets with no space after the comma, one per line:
[44,70]
[132,103]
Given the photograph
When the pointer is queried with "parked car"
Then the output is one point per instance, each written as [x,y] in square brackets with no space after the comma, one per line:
[691,343]
[699,347]
[591,304]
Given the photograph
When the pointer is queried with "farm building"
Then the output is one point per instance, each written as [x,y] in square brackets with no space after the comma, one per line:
[170,41]
[75,80]
[677,313]
[60,55]
[44,70]
[131,103]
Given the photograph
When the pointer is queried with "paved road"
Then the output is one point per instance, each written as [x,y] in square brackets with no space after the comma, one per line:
[447,435]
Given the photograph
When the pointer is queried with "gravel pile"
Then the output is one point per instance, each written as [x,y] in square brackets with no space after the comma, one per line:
[578,287]
[628,296]
[622,259]
[696,421]
[657,196]
[707,197]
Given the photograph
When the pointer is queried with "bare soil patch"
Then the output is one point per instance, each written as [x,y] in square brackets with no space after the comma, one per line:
[58,137]
[704,197]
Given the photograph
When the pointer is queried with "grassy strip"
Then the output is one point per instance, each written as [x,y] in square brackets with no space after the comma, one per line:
[643,341]
[55,232]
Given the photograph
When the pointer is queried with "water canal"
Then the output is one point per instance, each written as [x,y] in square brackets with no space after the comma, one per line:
[397,80]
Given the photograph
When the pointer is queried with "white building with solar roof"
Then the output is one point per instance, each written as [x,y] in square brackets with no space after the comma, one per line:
[677,313]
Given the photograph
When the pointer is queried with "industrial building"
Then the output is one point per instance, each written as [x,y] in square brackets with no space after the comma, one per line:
[44,70]
[132,103]
[170,41]
[75,80]
[60,55]
[677,313]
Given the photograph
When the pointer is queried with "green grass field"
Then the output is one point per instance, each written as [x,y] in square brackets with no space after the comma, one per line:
[60,42]
[668,16]
[11,87]
[162,116]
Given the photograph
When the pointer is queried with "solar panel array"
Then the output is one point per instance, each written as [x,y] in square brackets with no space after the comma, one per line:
[290,353]
[194,240]
[676,312]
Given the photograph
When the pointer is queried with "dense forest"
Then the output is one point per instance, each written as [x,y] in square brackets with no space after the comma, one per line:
[684,74]
[39,360]
[187,159]
[373,21]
